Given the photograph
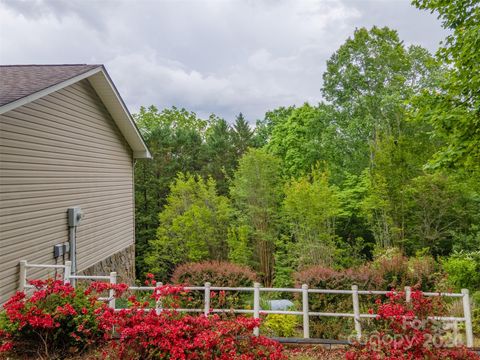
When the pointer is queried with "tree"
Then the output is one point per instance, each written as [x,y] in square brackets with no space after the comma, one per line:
[357,239]
[454,110]
[175,139]
[264,128]
[438,206]
[150,118]
[303,139]
[368,83]
[256,191]
[242,135]
[311,207]
[240,251]
[368,80]
[193,226]
[397,162]
[376,207]
[220,152]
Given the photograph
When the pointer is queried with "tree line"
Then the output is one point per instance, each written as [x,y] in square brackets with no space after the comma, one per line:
[389,158]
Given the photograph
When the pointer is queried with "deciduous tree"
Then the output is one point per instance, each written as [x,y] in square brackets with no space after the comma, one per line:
[193,226]
[454,110]
[256,191]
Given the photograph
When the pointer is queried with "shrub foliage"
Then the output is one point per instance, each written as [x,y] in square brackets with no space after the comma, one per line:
[55,320]
[218,273]
[407,332]
[58,320]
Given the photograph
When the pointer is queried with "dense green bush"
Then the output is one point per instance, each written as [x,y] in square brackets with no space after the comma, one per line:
[193,226]
[390,269]
[280,325]
[476,321]
[463,270]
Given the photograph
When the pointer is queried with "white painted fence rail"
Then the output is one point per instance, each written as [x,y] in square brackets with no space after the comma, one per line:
[257,290]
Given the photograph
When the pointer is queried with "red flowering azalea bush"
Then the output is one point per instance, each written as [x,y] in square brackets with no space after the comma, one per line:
[147,334]
[57,319]
[408,332]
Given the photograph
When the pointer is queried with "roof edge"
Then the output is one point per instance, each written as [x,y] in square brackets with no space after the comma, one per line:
[105,88]
[48,90]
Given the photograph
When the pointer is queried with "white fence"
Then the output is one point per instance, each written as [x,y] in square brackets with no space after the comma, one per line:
[257,289]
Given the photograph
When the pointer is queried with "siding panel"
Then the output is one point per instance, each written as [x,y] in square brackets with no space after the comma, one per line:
[60,151]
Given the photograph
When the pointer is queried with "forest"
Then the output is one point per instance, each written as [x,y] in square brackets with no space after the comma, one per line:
[376,187]
[389,161]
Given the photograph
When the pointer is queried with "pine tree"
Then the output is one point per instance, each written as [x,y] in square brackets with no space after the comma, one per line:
[220,152]
[242,135]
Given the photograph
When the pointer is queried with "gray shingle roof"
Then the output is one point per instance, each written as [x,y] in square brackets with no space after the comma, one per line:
[18,81]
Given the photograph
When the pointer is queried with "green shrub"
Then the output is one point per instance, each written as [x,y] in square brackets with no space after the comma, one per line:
[463,270]
[476,313]
[476,321]
[280,325]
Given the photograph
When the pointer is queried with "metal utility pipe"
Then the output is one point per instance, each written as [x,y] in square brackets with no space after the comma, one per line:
[72,237]
[75,215]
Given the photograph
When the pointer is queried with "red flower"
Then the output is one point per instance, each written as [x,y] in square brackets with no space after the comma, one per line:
[6,347]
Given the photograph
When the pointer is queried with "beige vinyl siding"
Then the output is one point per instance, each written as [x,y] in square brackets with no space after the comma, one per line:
[59,151]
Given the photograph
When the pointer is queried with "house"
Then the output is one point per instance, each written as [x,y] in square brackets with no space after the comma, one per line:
[67,141]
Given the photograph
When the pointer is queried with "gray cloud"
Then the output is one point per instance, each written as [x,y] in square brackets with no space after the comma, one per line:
[208,56]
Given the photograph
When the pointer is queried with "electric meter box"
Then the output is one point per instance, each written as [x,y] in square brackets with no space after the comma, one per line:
[75,215]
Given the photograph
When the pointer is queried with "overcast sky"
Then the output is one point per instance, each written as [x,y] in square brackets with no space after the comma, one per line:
[214,56]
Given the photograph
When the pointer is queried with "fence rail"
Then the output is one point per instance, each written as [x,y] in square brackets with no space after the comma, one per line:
[257,290]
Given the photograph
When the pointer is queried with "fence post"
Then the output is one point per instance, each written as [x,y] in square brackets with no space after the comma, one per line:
[23,275]
[455,333]
[408,294]
[111,293]
[468,317]
[67,271]
[306,318]
[356,312]
[158,304]
[256,306]
[206,310]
